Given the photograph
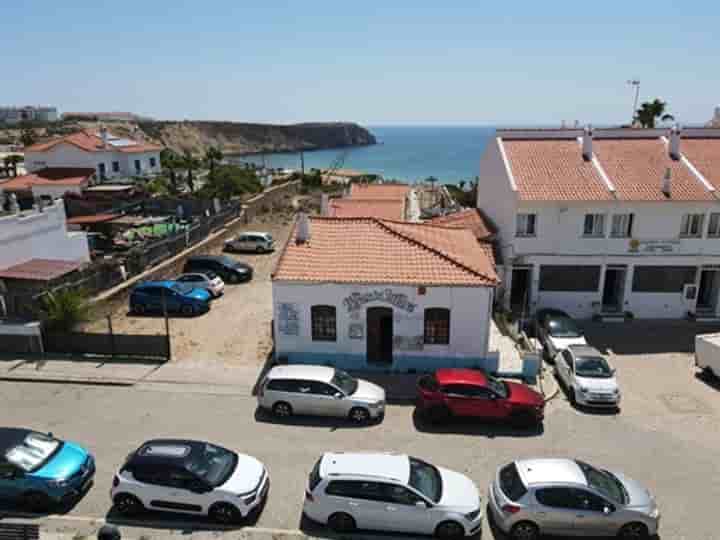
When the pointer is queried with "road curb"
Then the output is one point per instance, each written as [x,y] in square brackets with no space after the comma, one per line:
[68,380]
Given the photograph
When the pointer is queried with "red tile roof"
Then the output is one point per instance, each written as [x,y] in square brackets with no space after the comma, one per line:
[554,170]
[379,208]
[94,218]
[376,251]
[704,154]
[90,141]
[378,191]
[54,176]
[471,218]
[636,168]
[40,269]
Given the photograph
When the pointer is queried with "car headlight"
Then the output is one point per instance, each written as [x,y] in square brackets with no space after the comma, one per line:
[471,516]
[654,513]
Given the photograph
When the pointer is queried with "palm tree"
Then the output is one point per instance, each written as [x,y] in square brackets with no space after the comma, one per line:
[212,156]
[65,309]
[171,162]
[650,111]
[191,164]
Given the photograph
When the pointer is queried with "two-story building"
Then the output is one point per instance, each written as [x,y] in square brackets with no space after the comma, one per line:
[109,155]
[622,221]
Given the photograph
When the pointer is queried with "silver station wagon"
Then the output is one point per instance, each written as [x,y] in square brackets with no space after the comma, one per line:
[320,391]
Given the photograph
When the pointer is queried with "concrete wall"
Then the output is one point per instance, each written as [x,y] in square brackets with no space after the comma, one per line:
[469,326]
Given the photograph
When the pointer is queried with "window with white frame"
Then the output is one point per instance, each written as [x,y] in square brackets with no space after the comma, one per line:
[622,225]
[525,225]
[692,225]
[594,225]
[714,226]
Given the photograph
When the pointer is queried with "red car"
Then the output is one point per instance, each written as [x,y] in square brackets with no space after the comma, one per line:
[467,392]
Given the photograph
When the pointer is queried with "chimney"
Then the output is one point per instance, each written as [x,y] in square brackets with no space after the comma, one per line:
[587,146]
[675,142]
[104,136]
[324,205]
[667,182]
[303,228]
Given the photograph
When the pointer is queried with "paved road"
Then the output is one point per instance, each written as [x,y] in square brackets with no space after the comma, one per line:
[666,436]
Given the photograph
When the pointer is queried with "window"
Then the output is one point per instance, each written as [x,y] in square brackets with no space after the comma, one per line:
[282,385]
[622,225]
[137,165]
[525,225]
[315,478]
[459,390]
[556,497]
[662,279]
[569,278]
[116,166]
[714,226]
[400,494]
[594,225]
[590,501]
[511,483]
[153,162]
[152,475]
[692,225]
[321,389]
[371,491]
[324,325]
[101,170]
[437,326]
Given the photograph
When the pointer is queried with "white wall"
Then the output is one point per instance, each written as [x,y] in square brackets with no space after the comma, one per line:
[68,155]
[56,192]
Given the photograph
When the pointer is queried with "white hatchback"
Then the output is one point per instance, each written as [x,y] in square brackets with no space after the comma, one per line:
[391,492]
[589,379]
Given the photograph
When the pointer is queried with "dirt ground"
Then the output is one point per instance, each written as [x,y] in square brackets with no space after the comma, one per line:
[237,329]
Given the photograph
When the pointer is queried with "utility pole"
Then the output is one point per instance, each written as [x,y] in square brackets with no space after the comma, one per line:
[302,163]
[636,84]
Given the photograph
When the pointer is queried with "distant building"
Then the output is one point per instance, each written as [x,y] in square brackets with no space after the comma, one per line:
[110,156]
[17,115]
[104,116]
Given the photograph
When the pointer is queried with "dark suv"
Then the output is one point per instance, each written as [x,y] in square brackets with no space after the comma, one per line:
[229,269]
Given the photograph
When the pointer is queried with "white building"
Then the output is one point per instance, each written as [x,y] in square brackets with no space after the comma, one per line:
[372,294]
[110,156]
[615,221]
[50,182]
[17,115]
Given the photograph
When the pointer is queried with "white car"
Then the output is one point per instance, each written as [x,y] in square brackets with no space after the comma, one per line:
[320,391]
[587,376]
[255,242]
[391,492]
[190,477]
[556,330]
[208,280]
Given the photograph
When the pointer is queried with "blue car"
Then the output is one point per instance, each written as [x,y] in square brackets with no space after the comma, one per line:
[39,471]
[178,298]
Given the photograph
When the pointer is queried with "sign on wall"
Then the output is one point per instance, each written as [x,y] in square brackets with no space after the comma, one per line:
[357,300]
[653,247]
[288,319]
[356,331]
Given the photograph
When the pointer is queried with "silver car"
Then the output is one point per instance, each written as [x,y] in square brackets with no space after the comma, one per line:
[567,497]
[320,391]
[254,242]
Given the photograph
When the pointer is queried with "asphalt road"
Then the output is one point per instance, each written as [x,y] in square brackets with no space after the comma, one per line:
[666,436]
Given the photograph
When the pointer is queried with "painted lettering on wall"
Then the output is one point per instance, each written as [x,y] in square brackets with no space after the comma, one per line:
[288,319]
[356,300]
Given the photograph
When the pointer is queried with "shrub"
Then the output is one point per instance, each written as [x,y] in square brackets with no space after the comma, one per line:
[64,310]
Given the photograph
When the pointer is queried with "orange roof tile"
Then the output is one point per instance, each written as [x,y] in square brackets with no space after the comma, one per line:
[553,170]
[53,176]
[378,191]
[375,251]
[90,141]
[379,208]
[704,154]
[471,218]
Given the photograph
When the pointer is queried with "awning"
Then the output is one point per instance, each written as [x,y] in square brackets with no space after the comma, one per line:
[40,269]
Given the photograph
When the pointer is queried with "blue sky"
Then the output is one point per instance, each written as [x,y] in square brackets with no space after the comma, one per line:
[412,62]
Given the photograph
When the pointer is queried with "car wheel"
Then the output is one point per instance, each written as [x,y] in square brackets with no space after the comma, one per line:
[187,310]
[359,415]
[224,513]
[127,505]
[259,249]
[438,413]
[233,278]
[341,522]
[449,530]
[525,530]
[282,409]
[633,530]
[36,501]
[138,309]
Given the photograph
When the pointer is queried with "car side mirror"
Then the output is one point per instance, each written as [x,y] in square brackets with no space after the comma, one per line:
[338,395]
[421,504]
[607,510]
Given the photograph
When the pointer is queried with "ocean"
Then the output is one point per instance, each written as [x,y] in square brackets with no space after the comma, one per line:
[449,153]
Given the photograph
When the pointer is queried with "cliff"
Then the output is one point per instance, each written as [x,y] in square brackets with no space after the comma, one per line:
[240,138]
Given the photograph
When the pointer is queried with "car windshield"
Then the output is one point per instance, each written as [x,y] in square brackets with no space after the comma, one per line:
[34,452]
[344,382]
[563,327]
[595,367]
[426,479]
[182,288]
[499,387]
[605,482]
[213,464]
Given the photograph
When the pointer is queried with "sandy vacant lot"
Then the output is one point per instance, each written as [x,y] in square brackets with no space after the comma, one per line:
[237,330]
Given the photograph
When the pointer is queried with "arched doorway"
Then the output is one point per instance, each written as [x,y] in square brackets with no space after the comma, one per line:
[379,335]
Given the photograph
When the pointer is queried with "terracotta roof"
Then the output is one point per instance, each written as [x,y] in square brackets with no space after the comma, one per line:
[54,176]
[704,154]
[40,269]
[554,170]
[379,208]
[379,191]
[94,218]
[90,141]
[636,168]
[376,251]
[471,218]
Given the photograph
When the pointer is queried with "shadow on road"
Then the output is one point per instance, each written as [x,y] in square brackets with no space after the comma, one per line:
[262,415]
[470,426]
[709,379]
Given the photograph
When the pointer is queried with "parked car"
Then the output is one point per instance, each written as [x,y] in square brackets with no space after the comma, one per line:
[565,497]
[207,280]
[256,242]
[391,492]
[556,330]
[588,377]
[230,270]
[184,298]
[707,353]
[190,477]
[320,391]
[40,471]
[472,393]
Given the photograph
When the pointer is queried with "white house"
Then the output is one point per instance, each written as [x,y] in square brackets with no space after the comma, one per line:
[50,182]
[606,222]
[110,156]
[373,294]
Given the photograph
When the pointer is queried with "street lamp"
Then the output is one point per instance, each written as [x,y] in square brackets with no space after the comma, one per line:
[636,84]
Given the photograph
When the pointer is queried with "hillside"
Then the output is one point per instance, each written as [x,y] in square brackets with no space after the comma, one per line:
[241,138]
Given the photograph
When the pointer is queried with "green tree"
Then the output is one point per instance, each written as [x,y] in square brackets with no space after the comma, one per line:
[650,111]
[27,136]
[190,164]
[213,156]
[230,181]
[171,162]
[64,310]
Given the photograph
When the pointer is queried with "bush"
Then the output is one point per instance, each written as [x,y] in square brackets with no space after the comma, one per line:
[228,181]
[64,310]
